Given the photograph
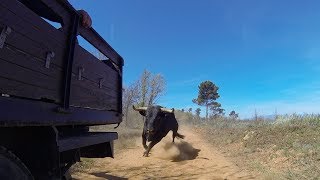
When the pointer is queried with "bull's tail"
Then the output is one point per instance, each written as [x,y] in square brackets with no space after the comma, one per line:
[180,136]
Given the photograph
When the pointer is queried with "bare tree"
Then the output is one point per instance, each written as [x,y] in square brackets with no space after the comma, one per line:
[145,91]
[144,87]
[157,87]
[130,97]
[151,87]
[255,115]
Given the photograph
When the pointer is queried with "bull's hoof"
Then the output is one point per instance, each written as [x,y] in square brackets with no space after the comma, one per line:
[145,154]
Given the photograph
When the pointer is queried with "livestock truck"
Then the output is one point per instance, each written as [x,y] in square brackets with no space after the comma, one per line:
[52,90]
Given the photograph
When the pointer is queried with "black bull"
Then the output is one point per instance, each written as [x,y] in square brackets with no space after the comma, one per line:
[159,121]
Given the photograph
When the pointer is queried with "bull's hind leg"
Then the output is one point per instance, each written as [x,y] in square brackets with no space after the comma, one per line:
[174,134]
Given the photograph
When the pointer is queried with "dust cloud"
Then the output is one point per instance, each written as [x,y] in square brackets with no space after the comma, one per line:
[178,151]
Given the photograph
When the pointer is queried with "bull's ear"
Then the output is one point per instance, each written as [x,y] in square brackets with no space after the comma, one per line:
[143,113]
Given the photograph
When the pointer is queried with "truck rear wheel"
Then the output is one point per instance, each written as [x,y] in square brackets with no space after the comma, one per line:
[67,176]
[11,167]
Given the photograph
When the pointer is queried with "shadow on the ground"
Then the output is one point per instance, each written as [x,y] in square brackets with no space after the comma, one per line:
[107,176]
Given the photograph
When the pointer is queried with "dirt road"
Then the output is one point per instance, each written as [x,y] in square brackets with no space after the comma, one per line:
[191,158]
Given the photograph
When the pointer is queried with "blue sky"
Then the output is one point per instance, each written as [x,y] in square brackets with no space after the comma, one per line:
[264,55]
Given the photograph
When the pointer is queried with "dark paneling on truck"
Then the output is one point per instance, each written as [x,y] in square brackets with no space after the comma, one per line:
[52,90]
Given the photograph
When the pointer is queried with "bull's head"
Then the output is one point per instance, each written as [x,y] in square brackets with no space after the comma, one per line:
[154,115]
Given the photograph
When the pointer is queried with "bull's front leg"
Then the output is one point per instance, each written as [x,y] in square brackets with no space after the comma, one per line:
[144,141]
[146,153]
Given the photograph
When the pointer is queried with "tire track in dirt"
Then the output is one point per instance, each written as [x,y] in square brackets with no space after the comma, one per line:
[191,158]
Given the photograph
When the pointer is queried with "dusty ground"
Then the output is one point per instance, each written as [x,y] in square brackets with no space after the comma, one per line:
[191,158]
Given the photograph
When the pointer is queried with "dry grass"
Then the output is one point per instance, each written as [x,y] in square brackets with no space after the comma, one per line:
[126,139]
[288,148]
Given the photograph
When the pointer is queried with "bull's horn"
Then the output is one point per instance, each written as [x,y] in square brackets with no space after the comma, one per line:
[167,110]
[139,108]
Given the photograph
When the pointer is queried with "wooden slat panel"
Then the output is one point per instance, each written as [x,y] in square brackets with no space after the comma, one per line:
[93,97]
[33,37]
[85,94]
[33,40]
[24,15]
[94,69]
[88,91]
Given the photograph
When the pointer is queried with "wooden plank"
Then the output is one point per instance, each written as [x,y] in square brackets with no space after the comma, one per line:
[112,85]
[28,61]
[20,112]
[63,8]
[34,79]
[86,139]
[94,86]
[19,73]
[17,88]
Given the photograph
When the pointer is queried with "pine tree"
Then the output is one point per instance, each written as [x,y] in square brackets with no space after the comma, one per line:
[207,95]
[198,111]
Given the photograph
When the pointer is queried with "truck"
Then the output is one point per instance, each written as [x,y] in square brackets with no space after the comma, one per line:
[52,90]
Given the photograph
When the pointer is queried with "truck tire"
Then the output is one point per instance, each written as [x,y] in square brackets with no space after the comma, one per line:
[11,167]
[67,176]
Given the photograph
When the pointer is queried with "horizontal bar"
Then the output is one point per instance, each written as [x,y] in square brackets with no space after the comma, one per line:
[22,112]
[88,139]
[98,42]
